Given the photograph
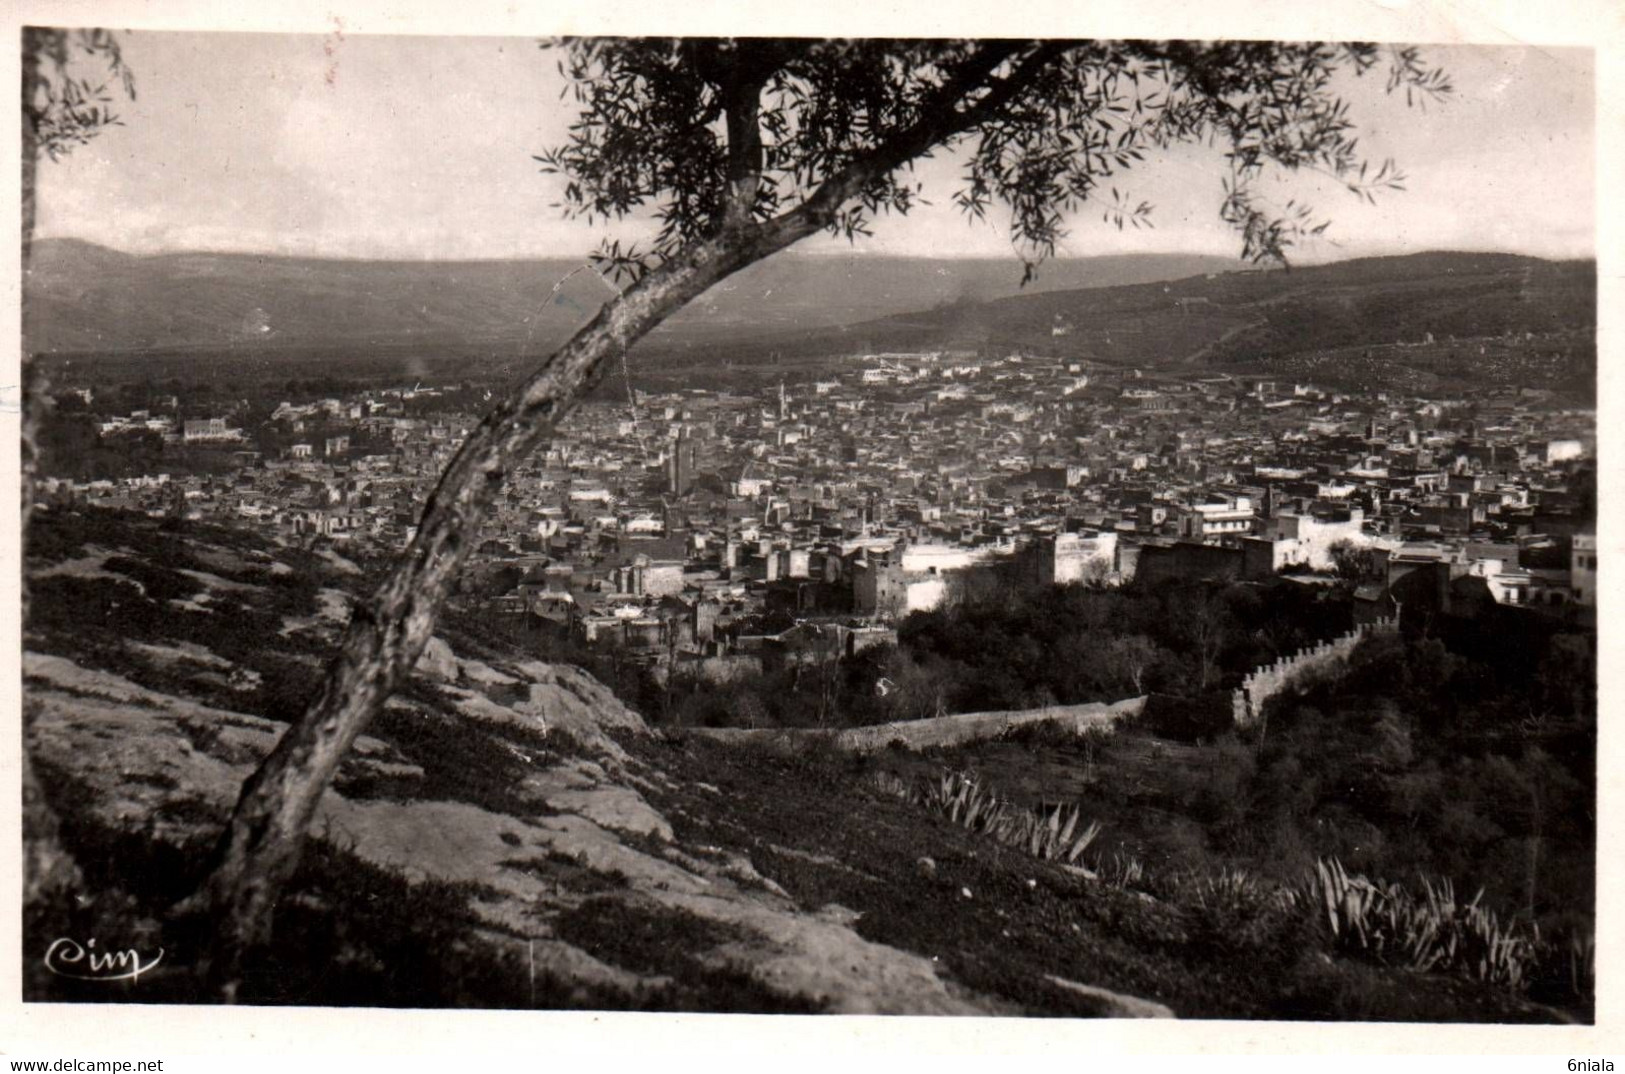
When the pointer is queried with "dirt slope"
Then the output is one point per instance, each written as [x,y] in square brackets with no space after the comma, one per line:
[509,834]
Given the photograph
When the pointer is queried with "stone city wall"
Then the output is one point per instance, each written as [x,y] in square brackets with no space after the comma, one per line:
[940,731]
[1267,680]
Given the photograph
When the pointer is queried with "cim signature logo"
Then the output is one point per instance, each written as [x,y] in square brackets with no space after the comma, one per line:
[82,962]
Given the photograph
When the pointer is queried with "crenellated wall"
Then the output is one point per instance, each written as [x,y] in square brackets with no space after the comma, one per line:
[1267,680]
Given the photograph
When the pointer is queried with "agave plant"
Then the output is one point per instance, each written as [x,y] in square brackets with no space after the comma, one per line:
[1581,955]
[1349,902]
[939,796]
[964,801]
[1122,871]
[974,807]
[1431,932]
[1230,883]
[1051,835]
[892,784]
[1493,952]
[1054,835]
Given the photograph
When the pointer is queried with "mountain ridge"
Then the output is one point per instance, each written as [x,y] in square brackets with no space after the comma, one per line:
[84,297]
[1416,321]
[1438,320]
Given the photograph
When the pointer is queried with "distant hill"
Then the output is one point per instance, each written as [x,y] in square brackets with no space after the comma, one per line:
[81,297]
[1252,315]
[1493,319]
[1366,322]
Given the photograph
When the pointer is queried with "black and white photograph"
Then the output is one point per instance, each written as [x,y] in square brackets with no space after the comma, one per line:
[1028,527]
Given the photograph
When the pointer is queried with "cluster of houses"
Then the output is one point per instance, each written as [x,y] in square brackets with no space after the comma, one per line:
[691,522]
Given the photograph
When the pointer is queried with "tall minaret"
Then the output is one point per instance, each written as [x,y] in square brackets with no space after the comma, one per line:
[784,403]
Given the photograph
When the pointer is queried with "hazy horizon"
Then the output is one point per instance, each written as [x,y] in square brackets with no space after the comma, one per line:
[421,149]
[811,253]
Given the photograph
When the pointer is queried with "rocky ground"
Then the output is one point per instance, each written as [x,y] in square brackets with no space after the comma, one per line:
[509,834]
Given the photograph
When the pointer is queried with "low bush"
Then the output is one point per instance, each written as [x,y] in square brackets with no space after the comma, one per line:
[1047,834]
[1233,912]
[1430,932]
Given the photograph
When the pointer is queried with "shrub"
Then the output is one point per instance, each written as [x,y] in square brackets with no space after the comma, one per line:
[1049,835]
[1041,735]
[1232,911]
[1122,870]
[1428,932]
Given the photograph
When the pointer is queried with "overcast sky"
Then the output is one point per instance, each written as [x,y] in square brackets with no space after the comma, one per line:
[408,147]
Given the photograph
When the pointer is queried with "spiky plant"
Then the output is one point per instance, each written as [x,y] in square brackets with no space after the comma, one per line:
[1050,835]
[1431,932]
[1123,871]
[1580,955]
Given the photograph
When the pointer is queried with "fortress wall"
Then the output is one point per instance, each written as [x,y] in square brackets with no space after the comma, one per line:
[1267,680]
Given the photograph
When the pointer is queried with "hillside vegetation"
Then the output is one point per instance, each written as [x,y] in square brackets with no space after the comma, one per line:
[508,834]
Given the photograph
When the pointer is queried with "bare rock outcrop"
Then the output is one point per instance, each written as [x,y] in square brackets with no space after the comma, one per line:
[145,761]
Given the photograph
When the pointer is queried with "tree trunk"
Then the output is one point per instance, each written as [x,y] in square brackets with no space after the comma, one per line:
[259,850]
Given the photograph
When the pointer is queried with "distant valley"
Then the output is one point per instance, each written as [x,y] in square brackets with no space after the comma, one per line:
[83,298]
[1446,321]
